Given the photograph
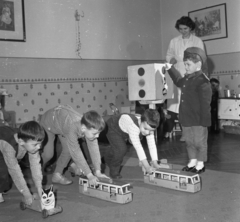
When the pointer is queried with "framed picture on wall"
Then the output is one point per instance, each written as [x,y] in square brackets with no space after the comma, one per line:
[12,21]
[211,22]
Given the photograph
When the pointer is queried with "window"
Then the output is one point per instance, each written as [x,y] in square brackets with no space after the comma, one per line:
[158,175]
[183,180]
[174,178]
[166,177]
[190,181]
[113,189]
[196,179]
[92,186]
[105,188]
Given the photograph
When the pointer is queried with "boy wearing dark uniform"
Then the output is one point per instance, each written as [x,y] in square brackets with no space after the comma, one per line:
[194,110]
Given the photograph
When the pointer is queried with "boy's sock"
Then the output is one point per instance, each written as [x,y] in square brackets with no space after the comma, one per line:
[199,165]
[1,198]
[192,163]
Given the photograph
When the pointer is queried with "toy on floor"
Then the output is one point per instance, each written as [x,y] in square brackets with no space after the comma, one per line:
[117,192]
[46,205]
[174,179]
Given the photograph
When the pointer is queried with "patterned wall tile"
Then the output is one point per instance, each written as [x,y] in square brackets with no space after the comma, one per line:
[31,99]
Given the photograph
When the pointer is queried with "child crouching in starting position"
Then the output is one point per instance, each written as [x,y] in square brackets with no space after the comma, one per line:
[121,127]
[69,125]
[194,110]
[14,144]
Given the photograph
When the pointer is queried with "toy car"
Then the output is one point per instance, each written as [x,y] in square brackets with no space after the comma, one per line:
[36,205]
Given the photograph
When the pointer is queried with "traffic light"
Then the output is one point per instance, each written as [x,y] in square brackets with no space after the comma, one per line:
[149,82]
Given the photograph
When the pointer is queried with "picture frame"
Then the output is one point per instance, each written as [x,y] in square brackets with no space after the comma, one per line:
[211,22]
[12,21]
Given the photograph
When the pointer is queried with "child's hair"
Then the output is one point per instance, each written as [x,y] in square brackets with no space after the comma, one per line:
[214,80]
[151,117]
[185,20]
[192,57]
[92,119]
[31,130]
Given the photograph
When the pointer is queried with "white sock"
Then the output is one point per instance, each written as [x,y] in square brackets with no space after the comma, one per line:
[199,165]
[1,198]
[192,162]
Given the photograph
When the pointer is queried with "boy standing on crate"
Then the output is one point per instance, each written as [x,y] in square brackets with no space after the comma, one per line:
[194,110]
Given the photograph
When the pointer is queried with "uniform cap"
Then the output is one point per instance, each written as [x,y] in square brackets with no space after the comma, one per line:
[198,51]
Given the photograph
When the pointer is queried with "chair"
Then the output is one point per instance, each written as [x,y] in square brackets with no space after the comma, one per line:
[177,128]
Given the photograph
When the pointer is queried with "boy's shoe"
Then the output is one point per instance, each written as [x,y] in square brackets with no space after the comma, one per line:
[58,178]
[1,198]
[186,168]
[194,170]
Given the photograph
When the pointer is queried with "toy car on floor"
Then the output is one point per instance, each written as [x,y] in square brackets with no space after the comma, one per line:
[46,205]
[117,192]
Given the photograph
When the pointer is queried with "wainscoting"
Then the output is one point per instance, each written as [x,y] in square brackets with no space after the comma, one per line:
[31,98]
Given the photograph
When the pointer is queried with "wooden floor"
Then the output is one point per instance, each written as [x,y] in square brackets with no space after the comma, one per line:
[223,152]
[219,199]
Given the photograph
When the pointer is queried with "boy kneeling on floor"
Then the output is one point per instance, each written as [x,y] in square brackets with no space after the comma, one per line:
[14,144]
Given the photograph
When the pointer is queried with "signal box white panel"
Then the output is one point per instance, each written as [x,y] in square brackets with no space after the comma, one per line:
[149,82]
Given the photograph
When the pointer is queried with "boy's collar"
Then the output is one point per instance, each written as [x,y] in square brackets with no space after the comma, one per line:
[197,73]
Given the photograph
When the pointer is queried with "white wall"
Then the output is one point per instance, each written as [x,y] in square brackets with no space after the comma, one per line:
[109,29]
[172,11]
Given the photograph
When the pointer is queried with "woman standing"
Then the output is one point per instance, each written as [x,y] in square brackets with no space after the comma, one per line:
[177,46]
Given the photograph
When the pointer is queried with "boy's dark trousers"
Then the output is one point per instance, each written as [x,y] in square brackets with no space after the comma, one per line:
[5,179]
[117,151]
